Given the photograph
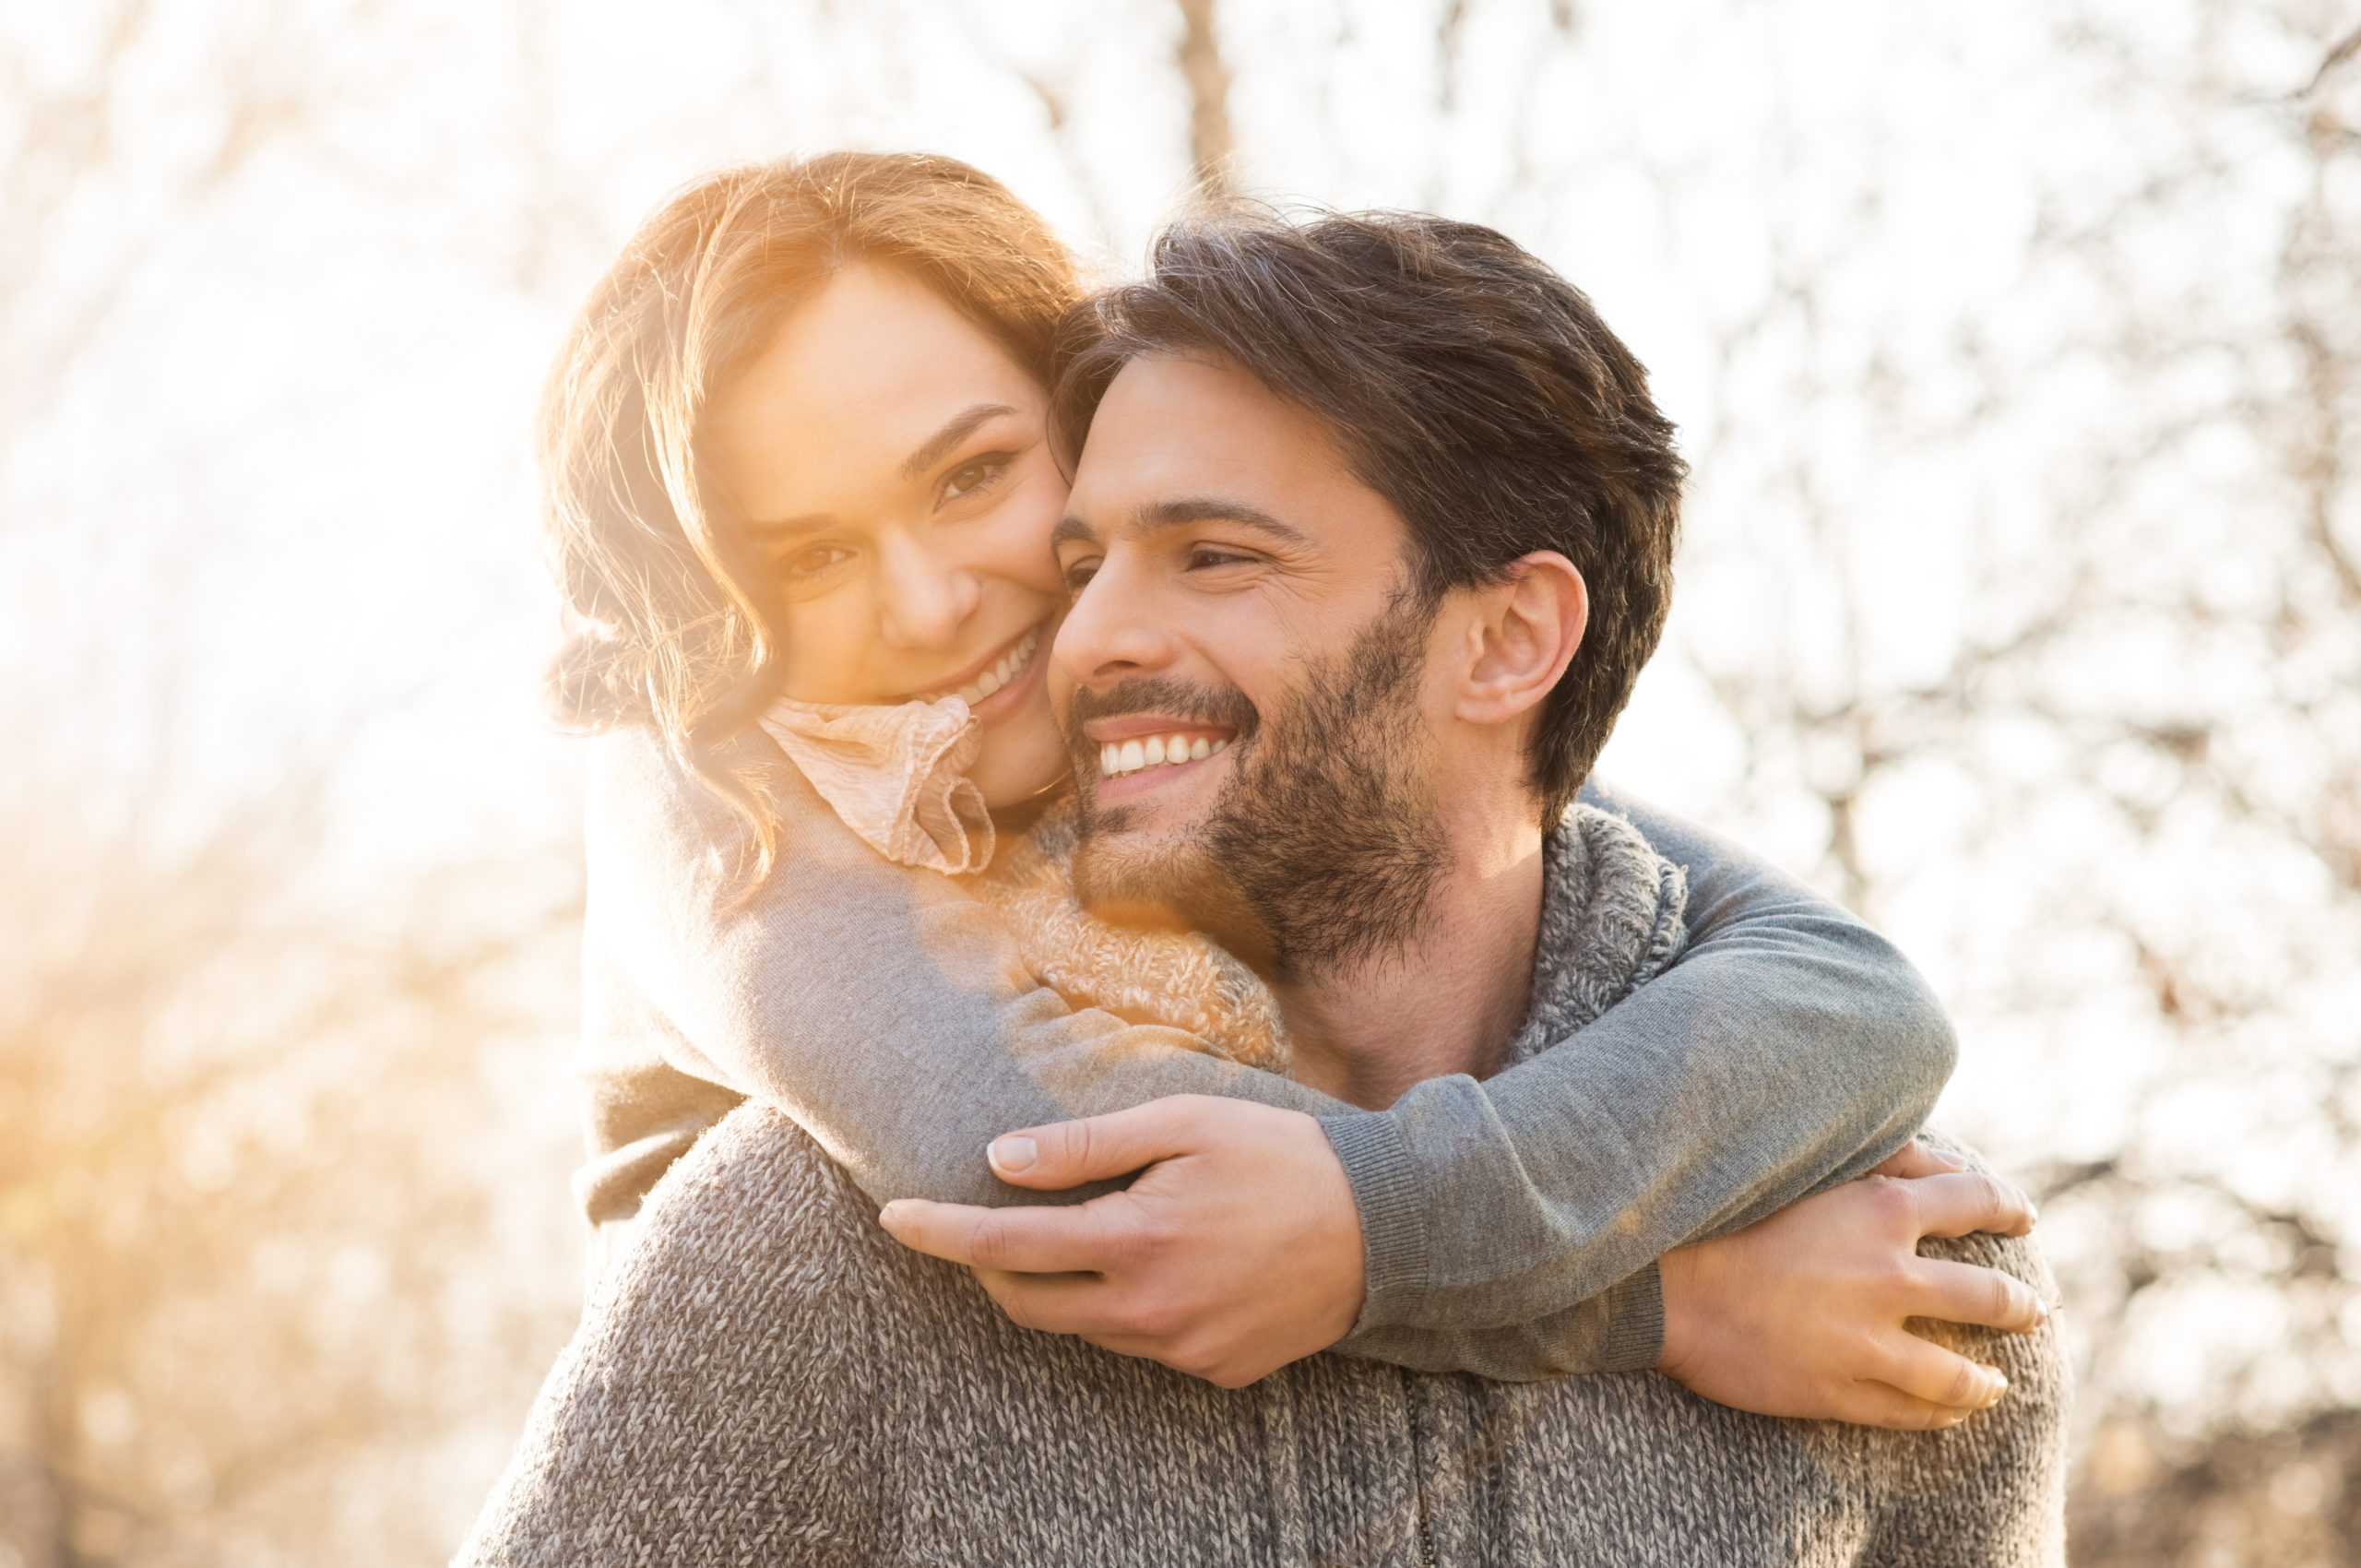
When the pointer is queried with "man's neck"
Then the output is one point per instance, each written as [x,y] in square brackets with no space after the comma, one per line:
[1450,1000]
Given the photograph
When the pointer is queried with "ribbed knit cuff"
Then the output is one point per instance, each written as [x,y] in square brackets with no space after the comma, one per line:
[1387,1189]
[1633,1338]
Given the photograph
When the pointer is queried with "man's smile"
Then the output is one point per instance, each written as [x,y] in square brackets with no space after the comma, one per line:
[1140,751]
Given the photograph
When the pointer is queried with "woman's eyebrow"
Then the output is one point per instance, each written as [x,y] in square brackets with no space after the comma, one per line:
[956,430]
[930,452]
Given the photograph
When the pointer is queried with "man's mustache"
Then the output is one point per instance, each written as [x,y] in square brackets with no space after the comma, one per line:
[1225,706]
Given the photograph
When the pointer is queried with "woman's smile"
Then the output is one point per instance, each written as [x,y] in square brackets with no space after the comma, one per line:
[894,444]
[993,688]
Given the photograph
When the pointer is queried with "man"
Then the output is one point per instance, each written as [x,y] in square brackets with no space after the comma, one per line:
[1353,497]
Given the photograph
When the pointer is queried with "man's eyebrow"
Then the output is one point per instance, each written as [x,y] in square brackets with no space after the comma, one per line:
[1158,515]
[938,446]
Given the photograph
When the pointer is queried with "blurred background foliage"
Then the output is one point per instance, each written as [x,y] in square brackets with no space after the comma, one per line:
[2018,348]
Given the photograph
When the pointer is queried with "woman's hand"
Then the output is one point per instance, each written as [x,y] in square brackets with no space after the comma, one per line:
[1801,1314]
[1238,1251]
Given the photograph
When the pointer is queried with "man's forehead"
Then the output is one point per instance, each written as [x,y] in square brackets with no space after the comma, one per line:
[1173,432]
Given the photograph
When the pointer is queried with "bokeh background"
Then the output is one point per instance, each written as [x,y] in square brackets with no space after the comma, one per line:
[2017,346]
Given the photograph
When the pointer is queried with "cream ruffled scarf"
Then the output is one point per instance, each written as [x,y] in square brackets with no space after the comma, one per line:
[898,776]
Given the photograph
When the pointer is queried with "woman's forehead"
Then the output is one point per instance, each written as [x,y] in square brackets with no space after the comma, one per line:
[855,384]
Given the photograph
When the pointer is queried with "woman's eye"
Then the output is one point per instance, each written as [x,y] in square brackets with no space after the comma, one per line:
[973,475]
[819,558]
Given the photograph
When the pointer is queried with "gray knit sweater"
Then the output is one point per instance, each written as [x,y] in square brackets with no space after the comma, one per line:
[1511,1225]
[768,1378]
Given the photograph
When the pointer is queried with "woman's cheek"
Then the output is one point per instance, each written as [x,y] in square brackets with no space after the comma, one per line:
[1022,755]
[823,649]
[1022,538]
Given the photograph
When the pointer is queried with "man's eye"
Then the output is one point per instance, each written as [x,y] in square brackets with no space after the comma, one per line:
[973,475]
[1204,556]
[818,559]
[1079,574]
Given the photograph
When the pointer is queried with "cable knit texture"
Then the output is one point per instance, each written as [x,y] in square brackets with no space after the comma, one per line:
[1184,979]
[766,1378]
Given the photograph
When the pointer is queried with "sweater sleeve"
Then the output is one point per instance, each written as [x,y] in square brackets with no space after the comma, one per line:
[1510,1226]
[1789,1049]
[885,1010]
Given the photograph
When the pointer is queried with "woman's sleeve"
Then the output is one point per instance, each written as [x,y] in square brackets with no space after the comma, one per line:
[1510,1226]
[885,1010]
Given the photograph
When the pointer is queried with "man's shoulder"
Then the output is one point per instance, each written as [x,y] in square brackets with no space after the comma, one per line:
[754,1199]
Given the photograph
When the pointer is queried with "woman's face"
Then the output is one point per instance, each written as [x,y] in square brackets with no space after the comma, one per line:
[889,464]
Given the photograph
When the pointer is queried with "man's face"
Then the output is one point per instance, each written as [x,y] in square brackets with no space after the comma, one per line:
[1244,611]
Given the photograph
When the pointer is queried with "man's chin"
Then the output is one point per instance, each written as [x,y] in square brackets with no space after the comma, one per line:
[1125,873]
[1164,883]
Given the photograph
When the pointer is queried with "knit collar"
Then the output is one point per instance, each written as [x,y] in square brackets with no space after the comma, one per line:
[1611,913]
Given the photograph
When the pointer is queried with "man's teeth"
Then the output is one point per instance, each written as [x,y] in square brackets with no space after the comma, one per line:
[1118,757]
[1011,664]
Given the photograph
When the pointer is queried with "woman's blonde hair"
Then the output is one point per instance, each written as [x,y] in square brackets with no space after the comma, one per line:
[665,626]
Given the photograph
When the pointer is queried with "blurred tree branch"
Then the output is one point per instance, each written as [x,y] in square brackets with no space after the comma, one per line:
[1211,149]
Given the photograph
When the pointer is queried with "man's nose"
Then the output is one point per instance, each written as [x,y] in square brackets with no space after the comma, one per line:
[1112,631]
[923,600]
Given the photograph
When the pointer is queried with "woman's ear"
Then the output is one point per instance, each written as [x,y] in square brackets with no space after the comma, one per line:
[1521,636]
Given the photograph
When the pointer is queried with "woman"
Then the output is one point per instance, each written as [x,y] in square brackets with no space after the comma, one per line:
[800,490]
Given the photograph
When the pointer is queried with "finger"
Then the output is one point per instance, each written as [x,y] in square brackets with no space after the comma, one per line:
[1926,1371]
[1916,1158]
[1965,1292]
[1959,1203]
[1061,1303]
[1100,1234]
[1871,1404]
[1065,1154]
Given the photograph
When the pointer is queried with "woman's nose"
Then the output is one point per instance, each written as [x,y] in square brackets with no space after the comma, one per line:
[925,599]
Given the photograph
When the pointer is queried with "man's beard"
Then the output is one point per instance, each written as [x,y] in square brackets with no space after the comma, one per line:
[1323,848]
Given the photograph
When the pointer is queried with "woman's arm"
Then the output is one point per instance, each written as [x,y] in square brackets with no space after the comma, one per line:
[1789,1049]
[885,1010]
[887,1013]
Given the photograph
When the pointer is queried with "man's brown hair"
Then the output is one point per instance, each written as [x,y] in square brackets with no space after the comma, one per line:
[1468,384]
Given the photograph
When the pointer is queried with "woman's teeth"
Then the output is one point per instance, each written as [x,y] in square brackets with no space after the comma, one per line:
[1011,664]
[1118,757]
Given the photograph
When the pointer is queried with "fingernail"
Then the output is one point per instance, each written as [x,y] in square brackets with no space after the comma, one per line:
[886,1216]
[1012,1156]
[1999,1387]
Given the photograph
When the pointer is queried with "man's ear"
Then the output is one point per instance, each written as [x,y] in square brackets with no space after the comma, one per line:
[1521,637]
